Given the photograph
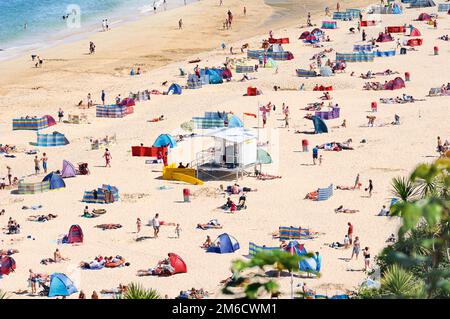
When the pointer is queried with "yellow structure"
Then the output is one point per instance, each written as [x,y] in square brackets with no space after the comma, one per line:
[186,175]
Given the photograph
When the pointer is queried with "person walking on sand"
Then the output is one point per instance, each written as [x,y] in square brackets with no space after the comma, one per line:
[320,159]
[315,154]
[44,160]
[138,225]
[156,225]
[108,158]
[338,7]
[356,181]
[103,96]
[370,188]
[180,24]
[60,115]
[9,174]
[356,248]
[245,10]
[220,2]
[364,35]
[350,232]
[37,169]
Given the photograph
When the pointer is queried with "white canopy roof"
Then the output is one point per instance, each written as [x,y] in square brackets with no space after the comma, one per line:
[234,134]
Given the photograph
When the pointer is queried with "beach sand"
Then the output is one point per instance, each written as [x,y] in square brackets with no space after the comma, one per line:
[155,45]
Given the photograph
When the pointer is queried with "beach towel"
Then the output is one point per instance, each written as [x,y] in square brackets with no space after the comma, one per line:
[396,29]
[253,249]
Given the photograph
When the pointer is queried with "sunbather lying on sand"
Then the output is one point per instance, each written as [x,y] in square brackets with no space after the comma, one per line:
[57,257]
[348,188]
[108,226]
[326,96]
[212,224]
[100,262]
[265,177]
[316,106]
[245,77]
[236,189]
[341,209]
[335,146]
[41,218]
[312,195]
[157,119]
[338,245]
[120,290]
[163,268]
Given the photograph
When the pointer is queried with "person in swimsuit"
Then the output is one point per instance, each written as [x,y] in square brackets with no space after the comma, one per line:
[356,248]
[44,160]
[366,254]
[107,157]
[37,169]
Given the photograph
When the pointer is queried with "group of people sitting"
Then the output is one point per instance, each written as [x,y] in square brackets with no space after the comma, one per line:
[370,74]
[444,37]
[341,209]
[163,268]
[230,205]
[193,294]
[236,189]
[94,213]
[13,227]
[101,262]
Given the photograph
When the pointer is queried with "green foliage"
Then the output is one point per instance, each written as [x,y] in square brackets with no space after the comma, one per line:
[258,284]
[404,189]
[137,291]
[417,265]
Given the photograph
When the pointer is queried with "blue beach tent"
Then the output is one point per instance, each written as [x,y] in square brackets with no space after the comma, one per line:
[224,244]
[165,140]
[174,89]
[235,122]
[55,181]
[319,125]
[61,285]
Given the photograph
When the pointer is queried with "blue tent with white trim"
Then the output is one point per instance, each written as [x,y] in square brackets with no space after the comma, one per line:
[224,244]
[61,285]
[174,89]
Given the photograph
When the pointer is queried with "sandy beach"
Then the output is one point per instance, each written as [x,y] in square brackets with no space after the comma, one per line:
[159,49]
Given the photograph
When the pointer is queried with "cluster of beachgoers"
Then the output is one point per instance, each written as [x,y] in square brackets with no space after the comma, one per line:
[280,146]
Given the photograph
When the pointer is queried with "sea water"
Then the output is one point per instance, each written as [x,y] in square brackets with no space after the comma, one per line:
[34,24]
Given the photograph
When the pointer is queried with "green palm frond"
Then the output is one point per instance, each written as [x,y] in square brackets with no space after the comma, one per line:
[137,291]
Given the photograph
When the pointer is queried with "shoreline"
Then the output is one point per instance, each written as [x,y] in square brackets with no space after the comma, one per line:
[117,19]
